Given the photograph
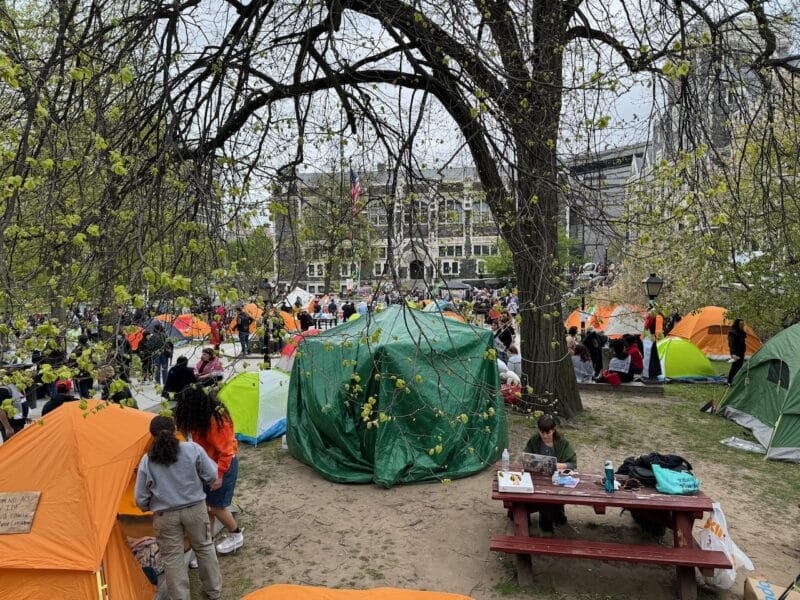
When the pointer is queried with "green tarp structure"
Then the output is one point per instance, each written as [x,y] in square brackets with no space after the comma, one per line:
[681,359]
[765,396]
[257,403]
[400,396]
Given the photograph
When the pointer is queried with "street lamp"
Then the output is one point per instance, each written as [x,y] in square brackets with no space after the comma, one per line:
[267,321]
[652,288]
[583,311]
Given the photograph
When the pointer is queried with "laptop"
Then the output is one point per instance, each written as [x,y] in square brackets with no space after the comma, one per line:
[539,464]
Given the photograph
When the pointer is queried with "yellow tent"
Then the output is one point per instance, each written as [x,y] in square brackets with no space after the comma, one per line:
[301,592]
[82,467]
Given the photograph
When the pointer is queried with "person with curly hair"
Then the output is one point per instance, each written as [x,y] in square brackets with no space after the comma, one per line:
[169,482]
[200,414]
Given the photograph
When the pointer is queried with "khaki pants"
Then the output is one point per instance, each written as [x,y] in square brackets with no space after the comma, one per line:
[170,527]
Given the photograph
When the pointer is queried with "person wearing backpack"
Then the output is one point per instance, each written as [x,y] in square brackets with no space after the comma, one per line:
[243,322]
[159,347]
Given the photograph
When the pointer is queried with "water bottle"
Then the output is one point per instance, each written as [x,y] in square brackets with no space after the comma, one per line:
[609,479]
[506,459]
[284,443]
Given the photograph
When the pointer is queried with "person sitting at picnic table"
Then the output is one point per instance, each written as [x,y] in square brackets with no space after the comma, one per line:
[549,442]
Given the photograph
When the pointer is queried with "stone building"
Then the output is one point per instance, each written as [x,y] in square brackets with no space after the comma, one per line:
[434,230]
[592,210]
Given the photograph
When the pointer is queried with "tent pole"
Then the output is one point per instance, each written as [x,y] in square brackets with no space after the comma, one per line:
[102,588]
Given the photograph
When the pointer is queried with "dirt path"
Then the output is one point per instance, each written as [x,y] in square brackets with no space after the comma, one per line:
[300,528]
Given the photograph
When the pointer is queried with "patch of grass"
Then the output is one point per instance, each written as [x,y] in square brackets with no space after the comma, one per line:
[508,588]
[628,426]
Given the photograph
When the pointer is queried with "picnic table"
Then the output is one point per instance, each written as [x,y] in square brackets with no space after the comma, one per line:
[676,512]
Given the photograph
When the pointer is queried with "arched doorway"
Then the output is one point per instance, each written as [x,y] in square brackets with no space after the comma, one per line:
[416,269]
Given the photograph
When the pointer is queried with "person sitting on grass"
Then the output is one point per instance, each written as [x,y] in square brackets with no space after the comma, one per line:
[582,364]
[619,367]
[637,361]
[549,442]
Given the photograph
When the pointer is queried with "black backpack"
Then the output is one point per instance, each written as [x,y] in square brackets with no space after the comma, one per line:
[243,322]
[641,467]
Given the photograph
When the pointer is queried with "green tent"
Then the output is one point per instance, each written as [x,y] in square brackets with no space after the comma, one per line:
[257,403]
[681,359]
[765,396]
[398,397]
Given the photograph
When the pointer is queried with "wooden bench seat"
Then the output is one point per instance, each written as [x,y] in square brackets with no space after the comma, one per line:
[636,553]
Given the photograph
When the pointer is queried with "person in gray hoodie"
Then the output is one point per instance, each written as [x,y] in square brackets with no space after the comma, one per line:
[169,482]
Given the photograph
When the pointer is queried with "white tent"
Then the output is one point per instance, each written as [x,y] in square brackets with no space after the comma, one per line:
[625,319]
[305,297]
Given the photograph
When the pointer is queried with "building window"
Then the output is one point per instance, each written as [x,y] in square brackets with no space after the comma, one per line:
[449,267]
[451,250]
[481,266]
[415,211]
[316,269]
[481,213]
[451,211]
[347,269]
[484,250]
[382,252]
[379,268]
[377,214]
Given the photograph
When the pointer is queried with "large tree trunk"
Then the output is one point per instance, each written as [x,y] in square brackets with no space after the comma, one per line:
[546,365]
[533,234]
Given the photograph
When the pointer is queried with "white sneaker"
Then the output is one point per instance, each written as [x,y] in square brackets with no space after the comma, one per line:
[233,542]
[193,564]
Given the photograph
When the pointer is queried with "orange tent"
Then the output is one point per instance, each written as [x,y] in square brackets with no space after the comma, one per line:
[82,466]
[254,311]
[600,316]
[454,315]
[289,322]
[191,326]
[707,328]
[576,316]
[301,592]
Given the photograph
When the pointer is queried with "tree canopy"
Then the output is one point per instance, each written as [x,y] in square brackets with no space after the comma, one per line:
[135,132]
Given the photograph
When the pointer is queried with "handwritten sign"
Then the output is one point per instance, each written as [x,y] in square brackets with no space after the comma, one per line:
[17,510]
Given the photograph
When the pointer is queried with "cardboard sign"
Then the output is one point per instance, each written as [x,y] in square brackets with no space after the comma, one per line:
[758,589]
[17,510]
[514,481]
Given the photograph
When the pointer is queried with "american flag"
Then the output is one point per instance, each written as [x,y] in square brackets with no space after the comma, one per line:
[355,186]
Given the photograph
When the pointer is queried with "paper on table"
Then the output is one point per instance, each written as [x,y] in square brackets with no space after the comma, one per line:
[568,482]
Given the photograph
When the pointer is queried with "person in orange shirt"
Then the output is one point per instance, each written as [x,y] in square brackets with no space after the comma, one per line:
[200,414]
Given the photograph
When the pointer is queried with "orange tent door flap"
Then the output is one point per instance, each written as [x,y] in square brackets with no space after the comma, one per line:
[301,592]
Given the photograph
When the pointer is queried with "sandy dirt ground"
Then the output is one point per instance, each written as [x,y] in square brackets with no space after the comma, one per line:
[302,529]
